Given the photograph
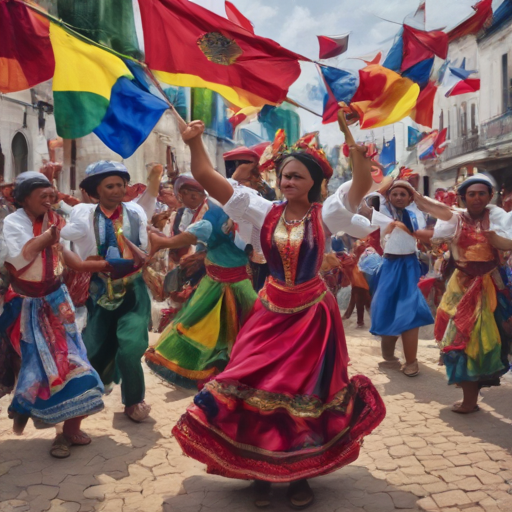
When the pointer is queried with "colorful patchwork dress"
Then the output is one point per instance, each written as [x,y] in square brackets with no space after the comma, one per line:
[55,381]
[474,320]
[198,343]
[284,408]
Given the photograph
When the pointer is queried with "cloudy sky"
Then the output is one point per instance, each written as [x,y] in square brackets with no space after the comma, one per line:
[296,23]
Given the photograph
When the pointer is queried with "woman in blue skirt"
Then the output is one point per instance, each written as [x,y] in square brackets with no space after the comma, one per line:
[398,306]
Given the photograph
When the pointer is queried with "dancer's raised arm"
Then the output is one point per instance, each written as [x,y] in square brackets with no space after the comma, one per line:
[202,169]
[439,210]
[361,166]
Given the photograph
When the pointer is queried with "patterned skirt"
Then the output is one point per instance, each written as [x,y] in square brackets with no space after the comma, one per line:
[55,381]
[284,409]
[197,344]
[474,327]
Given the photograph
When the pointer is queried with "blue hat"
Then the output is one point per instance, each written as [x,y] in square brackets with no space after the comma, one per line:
[98,171]
[479,178]
[104,167]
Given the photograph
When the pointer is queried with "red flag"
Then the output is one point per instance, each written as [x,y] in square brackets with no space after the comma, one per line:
[483,13]
[190,46]
[26,55]
[332,46]
[423,112]
[441,139]
[464,86]
[420,45]
[237,17]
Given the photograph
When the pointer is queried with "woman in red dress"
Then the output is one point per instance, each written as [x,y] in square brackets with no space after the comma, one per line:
[284,409]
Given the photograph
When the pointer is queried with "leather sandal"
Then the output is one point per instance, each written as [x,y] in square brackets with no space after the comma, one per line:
[300,495]
[60,447]
[411,370]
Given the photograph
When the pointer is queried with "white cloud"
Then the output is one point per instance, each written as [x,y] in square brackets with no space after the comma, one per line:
[295,24]
[258,13]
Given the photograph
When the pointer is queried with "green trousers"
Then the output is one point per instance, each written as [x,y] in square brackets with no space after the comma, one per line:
[116,341]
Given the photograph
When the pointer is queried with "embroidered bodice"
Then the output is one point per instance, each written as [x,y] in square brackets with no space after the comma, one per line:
[293,251]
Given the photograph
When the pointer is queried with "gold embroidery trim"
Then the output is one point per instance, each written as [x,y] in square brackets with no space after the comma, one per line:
[302,406]
[276,309]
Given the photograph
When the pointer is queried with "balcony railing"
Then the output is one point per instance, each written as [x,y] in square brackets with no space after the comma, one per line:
[497,127]
[462,146]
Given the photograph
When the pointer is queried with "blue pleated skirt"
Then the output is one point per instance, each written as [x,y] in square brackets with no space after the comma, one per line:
[398,304]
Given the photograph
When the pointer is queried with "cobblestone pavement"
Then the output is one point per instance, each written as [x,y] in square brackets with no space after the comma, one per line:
[422,457]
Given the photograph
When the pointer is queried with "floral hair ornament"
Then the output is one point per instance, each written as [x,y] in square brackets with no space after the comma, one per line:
[308,144]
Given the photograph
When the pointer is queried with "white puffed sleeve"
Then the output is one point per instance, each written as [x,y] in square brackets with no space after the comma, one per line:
[245,206]
[445,229]
[337,215]
[78,224]
[501,221]
[18,230]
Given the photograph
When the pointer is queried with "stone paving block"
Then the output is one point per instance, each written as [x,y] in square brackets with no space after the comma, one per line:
[477,496]
[64,506]
[427,504]
[471,483]
[459,460]
[14,506]
[403,500]
[436,487]
[451,499]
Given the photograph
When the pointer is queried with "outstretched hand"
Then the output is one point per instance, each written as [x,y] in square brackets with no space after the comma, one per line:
[191,131]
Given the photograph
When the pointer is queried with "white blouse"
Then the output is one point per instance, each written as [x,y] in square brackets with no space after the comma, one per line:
[500,222]
[249,211]
[80,228]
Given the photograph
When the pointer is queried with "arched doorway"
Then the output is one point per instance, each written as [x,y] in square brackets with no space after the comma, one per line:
[19,148]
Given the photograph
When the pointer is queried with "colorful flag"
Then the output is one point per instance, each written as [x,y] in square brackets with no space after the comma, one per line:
[387,157]
[94,90]
[419,45]
[244,115]
[340,86]
[426,148]
[423,112]
[475,23]
[26,57]
[383,97]
[432,145]
[413,137]
[456,81]
[420,73]
[332,46]
[190,46]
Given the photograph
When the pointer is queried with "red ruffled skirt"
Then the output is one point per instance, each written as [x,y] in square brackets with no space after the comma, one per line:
[284,409]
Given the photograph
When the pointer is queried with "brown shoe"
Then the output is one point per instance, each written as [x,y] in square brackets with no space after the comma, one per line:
[138,412]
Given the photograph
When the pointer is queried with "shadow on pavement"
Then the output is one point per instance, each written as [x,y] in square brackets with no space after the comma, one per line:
[429,386]
[351,489]
[487,425]
[29,463]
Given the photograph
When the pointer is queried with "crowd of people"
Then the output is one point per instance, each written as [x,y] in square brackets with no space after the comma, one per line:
[242,289]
